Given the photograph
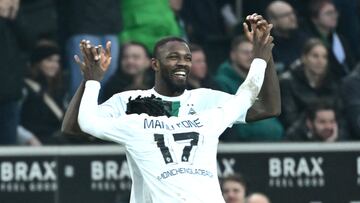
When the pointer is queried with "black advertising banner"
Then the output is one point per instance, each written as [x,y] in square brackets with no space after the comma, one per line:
[299,173]
[331,177]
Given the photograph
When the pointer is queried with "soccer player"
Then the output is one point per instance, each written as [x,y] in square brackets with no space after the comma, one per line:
[172,64]
[173,159]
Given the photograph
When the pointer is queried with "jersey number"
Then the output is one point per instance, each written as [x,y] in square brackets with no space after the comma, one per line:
[193,136]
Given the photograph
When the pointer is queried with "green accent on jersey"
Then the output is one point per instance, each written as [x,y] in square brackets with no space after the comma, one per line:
[172,107]
[175,106]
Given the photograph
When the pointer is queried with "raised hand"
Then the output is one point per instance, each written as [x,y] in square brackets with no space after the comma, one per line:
[256,22]
[96,60]
[262,42]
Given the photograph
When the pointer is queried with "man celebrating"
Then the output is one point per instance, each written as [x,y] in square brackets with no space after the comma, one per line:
[172,64]
[173,159]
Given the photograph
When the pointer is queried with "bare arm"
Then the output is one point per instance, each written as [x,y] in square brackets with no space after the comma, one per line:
[269,102]
[70,124]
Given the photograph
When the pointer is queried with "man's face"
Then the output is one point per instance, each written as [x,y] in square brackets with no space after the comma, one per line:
[284,17]
[134,60]
[175,61]
[199,66]
[328,16]
[324,126]
[233,192]
[242,56]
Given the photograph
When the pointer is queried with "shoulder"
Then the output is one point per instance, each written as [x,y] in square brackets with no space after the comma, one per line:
[126,95]
[207,92]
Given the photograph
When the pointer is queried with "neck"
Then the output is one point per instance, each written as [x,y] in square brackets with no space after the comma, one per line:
[315,80]
[162,88]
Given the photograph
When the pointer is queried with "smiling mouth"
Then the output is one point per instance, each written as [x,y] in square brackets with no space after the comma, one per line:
[180,73]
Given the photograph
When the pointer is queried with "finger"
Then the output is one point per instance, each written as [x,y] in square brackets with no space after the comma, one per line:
[82,51]
[272,46]
[80,63]
[270,39]
[108,49]
[87,51]
[262,24]
[94,54]
[77,59]
[258,18]
[269,28]
[256,33]
[99,50]
[246,29]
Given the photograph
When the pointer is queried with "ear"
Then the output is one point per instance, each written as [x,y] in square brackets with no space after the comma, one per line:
[155,64]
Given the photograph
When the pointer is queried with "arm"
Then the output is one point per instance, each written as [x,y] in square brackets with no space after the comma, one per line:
[250,88]
[70,124]
[236,107]
[111,129]
[269,102]
[95,63]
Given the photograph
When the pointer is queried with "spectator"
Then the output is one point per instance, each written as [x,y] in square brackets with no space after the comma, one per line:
[321,123]
[212,29]
[257,198]
[234,189]
[287,36]
[323,24]
[11,77]
[350,15]
[199,75]
[134,71]
[146,21]
[350,94]
[94,20]
[176,6]
[306,82]
[229,77]
[43,103]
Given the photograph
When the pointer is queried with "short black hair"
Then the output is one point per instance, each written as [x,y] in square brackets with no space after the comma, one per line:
[165,40]
[319,105]
[237,41]
[153,106]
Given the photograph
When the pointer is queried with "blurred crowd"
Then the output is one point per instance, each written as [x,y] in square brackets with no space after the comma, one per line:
[316,55]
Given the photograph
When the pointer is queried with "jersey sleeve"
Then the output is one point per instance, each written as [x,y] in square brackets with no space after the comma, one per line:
[113,107]
[103,127]
[237,105]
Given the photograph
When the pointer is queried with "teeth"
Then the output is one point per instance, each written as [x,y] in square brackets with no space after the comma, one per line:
[181,73]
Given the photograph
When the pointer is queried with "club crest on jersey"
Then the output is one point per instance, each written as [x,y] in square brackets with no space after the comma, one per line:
[191,111]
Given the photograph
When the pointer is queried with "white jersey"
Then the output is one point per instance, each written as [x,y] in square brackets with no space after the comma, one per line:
[171,159]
